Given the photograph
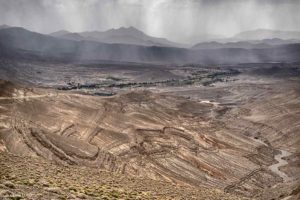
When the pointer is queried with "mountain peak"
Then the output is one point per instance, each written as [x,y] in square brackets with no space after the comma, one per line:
[126,30]
[132,28]
[121,35]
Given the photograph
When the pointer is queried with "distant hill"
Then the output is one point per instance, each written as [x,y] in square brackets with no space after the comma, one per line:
[261,34]
[247,44]
[241,44]
[121,35]
[4,26]
[21,43]
[276,41]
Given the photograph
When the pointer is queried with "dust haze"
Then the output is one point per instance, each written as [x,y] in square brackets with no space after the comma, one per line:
[185,21]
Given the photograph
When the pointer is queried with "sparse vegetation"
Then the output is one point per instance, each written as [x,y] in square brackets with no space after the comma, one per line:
[70,182]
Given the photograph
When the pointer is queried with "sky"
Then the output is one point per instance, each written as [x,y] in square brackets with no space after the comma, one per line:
[184,21]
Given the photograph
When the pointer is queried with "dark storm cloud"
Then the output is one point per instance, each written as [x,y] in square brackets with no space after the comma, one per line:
[179,20]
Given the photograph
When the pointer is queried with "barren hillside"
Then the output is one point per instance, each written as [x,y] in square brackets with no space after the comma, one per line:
[228,141]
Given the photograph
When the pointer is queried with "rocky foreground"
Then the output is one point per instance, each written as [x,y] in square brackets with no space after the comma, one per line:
[36,178]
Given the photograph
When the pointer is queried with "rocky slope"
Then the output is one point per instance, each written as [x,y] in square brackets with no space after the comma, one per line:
[35,178]
[228,145]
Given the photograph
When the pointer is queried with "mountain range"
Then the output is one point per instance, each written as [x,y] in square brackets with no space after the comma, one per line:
[253,39]
[248,44]
[121,35]
[260,38]
[22,43]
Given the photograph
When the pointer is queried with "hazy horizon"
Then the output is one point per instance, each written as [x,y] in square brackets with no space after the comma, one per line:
[186,21]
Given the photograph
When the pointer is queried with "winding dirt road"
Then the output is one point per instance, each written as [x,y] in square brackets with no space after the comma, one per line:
[281,162]
[28,97]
